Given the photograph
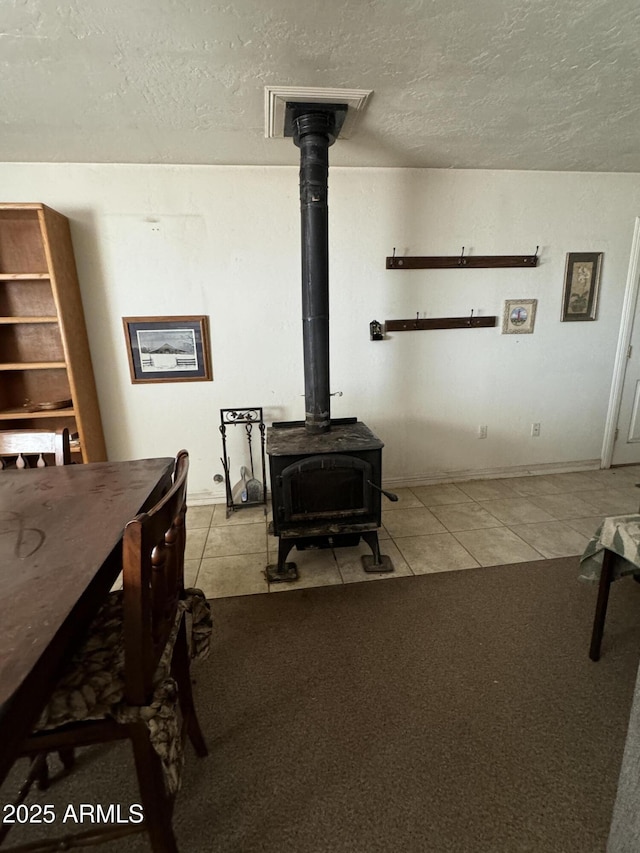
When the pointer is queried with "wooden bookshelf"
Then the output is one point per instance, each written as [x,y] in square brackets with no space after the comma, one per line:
[44,350]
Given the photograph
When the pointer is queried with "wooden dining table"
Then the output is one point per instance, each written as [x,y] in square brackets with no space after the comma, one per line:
[60,540]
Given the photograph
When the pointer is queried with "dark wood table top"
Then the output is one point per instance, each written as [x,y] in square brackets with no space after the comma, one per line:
[60,532]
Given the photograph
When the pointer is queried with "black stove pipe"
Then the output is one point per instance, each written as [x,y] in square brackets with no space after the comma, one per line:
[314,134]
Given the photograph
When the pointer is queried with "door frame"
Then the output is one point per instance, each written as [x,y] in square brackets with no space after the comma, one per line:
[624,341]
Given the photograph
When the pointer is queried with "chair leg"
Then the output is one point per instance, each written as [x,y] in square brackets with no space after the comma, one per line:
[38,771]
[158,808]
[606,575]
[41,769]
[67,757]
[181,672]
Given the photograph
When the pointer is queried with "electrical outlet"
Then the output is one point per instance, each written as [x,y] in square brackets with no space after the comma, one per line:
[535,430]
[482,431]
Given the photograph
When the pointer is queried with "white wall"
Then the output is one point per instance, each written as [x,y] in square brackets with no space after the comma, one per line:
[224,241]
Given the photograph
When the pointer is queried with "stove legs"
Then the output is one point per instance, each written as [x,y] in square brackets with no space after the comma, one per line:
[375,562]
[283,571]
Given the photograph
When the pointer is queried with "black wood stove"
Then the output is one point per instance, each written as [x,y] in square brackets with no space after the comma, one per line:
[325,474]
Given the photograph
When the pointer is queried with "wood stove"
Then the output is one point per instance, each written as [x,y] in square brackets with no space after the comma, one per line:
[325,491]
[325,474]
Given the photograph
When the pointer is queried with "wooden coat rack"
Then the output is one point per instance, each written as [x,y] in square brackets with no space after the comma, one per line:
[469,322]
[462,261]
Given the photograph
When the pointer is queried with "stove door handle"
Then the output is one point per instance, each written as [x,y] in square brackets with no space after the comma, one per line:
[389,495]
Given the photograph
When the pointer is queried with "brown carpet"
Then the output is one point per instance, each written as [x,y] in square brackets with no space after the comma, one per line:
[446,713]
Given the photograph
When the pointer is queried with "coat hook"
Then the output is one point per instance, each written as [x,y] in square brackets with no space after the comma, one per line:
[417,316]
[375,332]
[471,317]
[462,261]
[534,259]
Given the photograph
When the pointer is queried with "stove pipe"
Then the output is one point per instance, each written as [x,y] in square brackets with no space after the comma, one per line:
[314,133]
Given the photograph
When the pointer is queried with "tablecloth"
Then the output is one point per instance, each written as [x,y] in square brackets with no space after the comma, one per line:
[619,534]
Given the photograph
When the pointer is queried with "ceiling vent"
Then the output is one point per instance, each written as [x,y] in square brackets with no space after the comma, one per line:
[276,99]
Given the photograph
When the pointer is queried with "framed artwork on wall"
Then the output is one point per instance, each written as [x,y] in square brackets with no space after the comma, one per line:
[519,316]
[168,349]
[581,286]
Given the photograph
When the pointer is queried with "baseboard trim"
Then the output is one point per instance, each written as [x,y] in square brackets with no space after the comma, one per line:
[205,499]
[492,473]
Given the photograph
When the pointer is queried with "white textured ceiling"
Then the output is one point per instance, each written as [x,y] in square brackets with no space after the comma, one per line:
[504,84]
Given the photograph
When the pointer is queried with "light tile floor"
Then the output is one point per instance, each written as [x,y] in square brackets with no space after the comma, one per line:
[439,528]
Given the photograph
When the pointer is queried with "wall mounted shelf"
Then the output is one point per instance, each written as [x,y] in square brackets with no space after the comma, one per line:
[462,261]
[440,323]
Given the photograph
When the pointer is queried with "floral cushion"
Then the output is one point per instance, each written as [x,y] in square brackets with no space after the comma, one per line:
[92,686]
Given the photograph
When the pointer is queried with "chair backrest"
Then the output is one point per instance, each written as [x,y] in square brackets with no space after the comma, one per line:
[36,442]
[153,583]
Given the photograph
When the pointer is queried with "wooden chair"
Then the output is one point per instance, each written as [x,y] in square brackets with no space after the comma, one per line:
[37,442]
[141,630]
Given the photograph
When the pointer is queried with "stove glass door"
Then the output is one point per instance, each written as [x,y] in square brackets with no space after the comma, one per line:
[326,486]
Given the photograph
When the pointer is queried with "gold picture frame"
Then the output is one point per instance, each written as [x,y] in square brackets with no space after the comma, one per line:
[581,286]
[168,349]
[519,316]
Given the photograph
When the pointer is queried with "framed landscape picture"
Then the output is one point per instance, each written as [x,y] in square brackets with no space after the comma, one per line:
[168,349]
[581,286]
[519,316]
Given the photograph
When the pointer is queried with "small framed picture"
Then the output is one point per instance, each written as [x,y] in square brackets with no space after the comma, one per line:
[168,349]
[581,286]
[519,316]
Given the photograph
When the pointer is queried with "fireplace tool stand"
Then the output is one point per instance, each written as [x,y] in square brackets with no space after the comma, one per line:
[254,492]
